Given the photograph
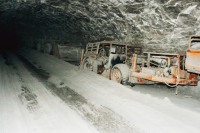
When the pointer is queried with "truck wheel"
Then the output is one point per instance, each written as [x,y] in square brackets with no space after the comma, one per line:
[87,65]
[120,73]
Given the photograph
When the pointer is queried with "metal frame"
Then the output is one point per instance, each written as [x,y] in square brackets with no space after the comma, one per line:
[94,56]
[178,77]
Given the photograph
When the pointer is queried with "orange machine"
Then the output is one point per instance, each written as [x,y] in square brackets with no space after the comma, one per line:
[161,68]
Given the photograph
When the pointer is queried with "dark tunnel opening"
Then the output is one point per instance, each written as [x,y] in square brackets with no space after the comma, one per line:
[32,24]
[25,25]
[9,38]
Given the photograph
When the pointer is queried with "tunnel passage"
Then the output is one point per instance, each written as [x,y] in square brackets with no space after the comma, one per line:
[29,23]
[9,40]
[28,26]
[25,23]
[68,23]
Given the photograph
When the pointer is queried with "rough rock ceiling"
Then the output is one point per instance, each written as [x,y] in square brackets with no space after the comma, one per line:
[152,23]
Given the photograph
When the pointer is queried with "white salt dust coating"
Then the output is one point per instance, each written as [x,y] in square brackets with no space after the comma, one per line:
[26,106]
[147,113]
[189,9]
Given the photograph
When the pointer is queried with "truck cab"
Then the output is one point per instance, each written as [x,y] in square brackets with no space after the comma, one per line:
[109,59]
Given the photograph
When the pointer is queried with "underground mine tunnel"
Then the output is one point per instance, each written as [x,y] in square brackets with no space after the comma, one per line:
[115,66]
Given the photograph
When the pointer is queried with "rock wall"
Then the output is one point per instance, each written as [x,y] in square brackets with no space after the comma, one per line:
[157,25]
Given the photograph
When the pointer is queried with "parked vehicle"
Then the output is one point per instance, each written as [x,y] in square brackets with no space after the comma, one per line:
[107,58]
[126,64]
[164,68]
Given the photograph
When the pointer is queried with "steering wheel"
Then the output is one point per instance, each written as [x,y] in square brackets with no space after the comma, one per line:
[102,52]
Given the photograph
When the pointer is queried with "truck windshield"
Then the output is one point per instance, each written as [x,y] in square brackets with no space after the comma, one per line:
[119,49]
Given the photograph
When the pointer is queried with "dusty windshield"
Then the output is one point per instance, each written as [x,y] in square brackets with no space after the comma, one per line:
[118,49]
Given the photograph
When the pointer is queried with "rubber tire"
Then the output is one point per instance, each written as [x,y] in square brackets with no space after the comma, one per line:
[87,65]
[123,71]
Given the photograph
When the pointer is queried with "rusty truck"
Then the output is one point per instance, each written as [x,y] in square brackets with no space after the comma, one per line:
[164,68]
[124,65]
[106,56]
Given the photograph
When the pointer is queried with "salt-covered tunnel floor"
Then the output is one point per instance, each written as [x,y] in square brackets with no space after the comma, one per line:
[26,106]
[40,93]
